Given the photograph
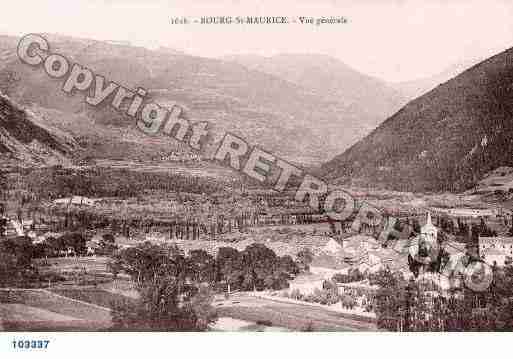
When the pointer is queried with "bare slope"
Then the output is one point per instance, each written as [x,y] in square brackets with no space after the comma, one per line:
[26,140]
[444,140]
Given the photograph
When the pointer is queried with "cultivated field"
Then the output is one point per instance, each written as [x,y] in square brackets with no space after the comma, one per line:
[204,169]
[292,316]
[27,310]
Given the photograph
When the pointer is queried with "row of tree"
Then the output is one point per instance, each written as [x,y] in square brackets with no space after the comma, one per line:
[408,305]
[57,182]
[16,256]
[257,267]
[176,290]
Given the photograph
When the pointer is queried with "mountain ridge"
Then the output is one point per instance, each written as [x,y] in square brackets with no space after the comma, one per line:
[444,140]
[26,140]
[269,111]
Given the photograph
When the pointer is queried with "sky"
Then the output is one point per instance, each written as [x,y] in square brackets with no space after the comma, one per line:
[395,40]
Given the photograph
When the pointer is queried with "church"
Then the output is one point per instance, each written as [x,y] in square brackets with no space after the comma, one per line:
[428,232]
[425,247]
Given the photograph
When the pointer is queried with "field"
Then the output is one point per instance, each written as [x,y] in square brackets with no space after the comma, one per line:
[73,271]
[25,317]
[204,169]
[24,310]
[96,265]
[292,316]
[228,324]
[94,296]
[85,309]
[282,241]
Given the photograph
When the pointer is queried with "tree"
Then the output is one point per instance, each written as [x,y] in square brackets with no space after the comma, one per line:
[329,293]
[4,186]
[257,267]
[201,305]
[3,226]
[304,259]
[74,240]
[108,238]
[9,269]
[170,297]
[202,266]
[141,262]
[288,265]
[409,306]
[229,266]
[260,263]
[416,225]
[388,299]
[53,245]
[107,244]
[447,224]
[347,301]
[8,81]
[16,256]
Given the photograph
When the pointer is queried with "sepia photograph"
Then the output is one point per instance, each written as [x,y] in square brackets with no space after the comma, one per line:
[282,167]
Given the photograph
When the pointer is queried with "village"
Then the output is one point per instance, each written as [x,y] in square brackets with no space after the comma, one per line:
[146,186]
[333,267]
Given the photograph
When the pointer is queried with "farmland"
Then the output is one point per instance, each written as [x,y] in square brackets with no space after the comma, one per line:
[295,317]
[43,310]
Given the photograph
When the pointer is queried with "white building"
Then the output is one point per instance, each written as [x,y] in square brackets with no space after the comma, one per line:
[307,283]
[469,212]
[503,244]
[494,256]
[496,249]
[428,232]
[13,227]
[426,244]
[75,200]
[332,247]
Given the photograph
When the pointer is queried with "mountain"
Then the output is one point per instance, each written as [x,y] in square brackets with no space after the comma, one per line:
[365,101]
[8,45]
[285,117]
[25,139]
[444,140]
[415,88]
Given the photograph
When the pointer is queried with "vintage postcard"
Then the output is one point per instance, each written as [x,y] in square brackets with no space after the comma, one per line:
[228,166]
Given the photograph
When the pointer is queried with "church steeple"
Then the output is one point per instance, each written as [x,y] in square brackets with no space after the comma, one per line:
[429,231]
[428,222]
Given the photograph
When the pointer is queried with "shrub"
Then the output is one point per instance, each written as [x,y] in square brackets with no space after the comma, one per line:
[348,302]
[266,323]
[310,298]
[296,294]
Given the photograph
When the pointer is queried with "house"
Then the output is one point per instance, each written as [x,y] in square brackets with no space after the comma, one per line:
[75,200]
[468,212]
[92,247]
[27,223]
[494,256]
[328,265]
[502,244]
[363,285]
[307,283]
[68,252]
[496,249]
[12,227]
[429,232]
[361,242]
[424,246]
[332,247]
[371,262]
